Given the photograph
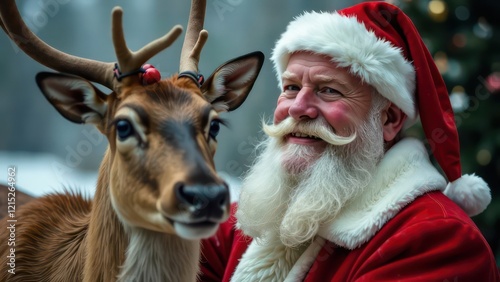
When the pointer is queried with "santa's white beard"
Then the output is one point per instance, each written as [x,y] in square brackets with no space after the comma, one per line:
[290,192]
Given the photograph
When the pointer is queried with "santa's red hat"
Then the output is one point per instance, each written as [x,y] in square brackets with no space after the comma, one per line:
[380,44]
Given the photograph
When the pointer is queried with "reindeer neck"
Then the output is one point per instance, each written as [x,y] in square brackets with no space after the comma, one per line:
[106,238]
[154,256]
[133,254]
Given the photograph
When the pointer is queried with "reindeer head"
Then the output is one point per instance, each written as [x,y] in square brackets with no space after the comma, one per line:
[162,136]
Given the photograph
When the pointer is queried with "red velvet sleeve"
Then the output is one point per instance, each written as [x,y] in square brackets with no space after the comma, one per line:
[436,250]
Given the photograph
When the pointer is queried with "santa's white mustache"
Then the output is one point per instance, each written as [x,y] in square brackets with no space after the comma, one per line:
[317,127]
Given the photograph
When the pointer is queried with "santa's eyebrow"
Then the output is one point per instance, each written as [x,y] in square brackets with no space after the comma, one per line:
[318,78]
[324,78]
[289,76]
[321,78]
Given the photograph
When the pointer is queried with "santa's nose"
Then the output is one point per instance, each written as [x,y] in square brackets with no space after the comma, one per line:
[303,107]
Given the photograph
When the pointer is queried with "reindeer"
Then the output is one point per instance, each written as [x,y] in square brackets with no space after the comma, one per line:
[157,191]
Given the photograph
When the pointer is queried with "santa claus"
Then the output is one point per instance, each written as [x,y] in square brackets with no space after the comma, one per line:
[337,193]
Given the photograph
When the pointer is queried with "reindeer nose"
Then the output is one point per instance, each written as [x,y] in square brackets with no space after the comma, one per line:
[203,201]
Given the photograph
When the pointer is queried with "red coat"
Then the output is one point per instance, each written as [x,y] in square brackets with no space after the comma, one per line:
[431,239]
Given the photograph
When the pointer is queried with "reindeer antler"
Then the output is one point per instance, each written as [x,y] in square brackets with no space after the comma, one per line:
[130,61]
[195,37]
[96,71]
[46,55]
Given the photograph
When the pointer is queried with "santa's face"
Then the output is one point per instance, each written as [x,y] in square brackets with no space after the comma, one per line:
[314,88]
[322,150]
[291,190]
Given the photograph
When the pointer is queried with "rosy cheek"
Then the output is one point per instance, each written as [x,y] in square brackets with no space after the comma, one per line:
[338,117]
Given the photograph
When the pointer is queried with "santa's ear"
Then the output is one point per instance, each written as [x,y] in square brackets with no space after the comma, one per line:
[229,85]
[393,120]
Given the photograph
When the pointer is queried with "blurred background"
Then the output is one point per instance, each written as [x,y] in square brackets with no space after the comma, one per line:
[50,152]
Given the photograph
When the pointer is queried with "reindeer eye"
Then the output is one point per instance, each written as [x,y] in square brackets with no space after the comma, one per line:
[214,128]
[124,129]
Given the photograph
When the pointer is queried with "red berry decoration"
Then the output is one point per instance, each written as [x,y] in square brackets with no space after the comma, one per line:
[151,74]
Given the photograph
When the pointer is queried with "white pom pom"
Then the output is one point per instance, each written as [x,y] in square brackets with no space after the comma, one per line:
[470,192]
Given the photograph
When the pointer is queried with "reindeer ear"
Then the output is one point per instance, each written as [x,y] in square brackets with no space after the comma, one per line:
[74,98]
[229,85]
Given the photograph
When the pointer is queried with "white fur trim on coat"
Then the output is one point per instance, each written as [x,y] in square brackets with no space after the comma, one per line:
[272,261]
[305,261]
[470,192]
[376,61]
[267,260]
[404,173]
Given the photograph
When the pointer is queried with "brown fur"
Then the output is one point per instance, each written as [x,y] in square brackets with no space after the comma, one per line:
[21,198]
[57,238]
[52,235]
